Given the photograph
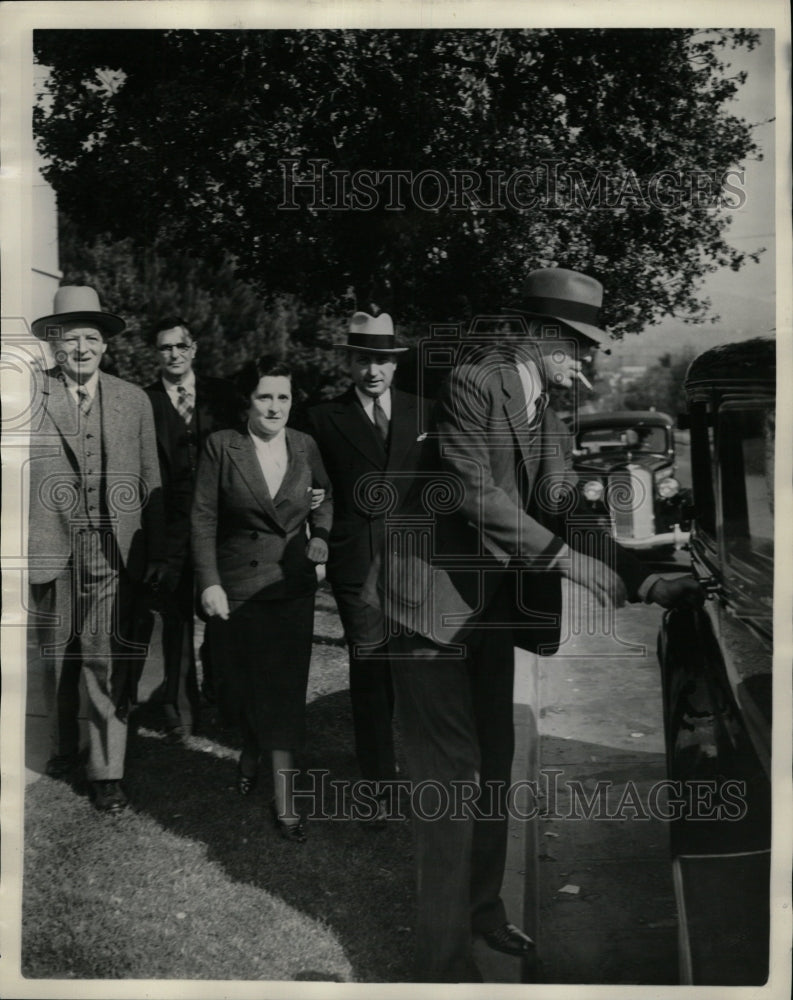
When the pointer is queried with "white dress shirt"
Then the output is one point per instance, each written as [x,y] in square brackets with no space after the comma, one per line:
[367,402]
[272,456]
[531,381]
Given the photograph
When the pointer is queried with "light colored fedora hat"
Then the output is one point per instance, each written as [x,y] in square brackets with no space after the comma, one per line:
[570,297]
[74,303]
[372,333]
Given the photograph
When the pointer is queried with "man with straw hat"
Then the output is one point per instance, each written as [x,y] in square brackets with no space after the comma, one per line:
[95,532]
[373,433]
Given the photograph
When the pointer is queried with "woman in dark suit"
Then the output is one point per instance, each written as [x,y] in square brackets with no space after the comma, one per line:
[255,568]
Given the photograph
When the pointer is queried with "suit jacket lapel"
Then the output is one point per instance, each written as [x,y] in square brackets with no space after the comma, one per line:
[115,437]
[163,422]
[61,410]
[404,428]
[515,409]
[357,428]
[295,457]
[243,455]
[202,415]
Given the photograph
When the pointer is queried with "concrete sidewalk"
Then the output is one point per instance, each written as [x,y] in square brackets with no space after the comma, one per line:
[601,728]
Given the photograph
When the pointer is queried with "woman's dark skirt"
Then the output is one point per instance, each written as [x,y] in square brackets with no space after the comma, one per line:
[261,657]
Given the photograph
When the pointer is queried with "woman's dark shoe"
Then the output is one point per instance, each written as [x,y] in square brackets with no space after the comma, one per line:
[247,771]
[289,831]
[379,820]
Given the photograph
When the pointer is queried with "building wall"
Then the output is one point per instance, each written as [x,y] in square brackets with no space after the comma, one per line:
[45,275]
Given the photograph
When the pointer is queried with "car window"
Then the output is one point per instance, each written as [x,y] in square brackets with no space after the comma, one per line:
[604,440]
[746,450]
[702,466]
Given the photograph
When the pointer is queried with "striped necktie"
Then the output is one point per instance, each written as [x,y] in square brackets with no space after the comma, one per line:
[83,400]
[184,403]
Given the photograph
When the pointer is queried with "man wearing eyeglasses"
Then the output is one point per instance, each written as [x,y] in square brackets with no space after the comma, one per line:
[187,408]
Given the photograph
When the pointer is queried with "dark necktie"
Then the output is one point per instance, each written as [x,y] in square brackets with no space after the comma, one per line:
[380,420]
[184,403]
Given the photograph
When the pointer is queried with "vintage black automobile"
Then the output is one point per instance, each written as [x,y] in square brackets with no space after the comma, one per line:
[716,669]
[625,462]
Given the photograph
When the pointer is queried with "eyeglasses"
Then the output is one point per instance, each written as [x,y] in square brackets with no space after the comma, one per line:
[181,347]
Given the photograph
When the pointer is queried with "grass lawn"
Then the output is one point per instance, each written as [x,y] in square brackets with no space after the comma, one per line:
[194,883]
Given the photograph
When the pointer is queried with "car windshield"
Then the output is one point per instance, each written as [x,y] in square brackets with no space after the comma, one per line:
[636,438]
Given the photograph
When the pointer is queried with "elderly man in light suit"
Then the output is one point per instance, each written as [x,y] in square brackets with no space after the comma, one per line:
[96,530]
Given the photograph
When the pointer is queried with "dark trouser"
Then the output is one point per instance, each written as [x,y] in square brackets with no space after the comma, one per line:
[371,687]
[92,605]
[181,684]
[456,721]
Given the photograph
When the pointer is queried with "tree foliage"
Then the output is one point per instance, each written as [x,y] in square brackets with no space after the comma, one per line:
[172,139]
[229,318]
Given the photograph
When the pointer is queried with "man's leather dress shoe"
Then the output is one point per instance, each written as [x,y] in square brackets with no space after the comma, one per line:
[62,765]
[511,940]
[109,797]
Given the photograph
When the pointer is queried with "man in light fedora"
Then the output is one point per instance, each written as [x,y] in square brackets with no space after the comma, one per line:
[492,578]
[95,531]
[371,430]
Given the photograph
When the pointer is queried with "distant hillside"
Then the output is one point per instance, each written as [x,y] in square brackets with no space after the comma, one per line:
[645,348]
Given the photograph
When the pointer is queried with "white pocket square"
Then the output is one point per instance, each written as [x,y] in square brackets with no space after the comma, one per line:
[421,437]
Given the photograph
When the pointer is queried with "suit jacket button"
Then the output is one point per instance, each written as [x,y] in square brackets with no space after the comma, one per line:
[254,562]
[254,534]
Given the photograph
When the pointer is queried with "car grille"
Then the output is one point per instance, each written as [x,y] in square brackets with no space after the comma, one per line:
[630,500]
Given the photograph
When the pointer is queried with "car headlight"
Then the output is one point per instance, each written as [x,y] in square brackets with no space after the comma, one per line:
[593,490]
[668,487]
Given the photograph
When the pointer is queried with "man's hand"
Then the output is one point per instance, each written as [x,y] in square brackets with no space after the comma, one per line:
[596,576]
[561,369]
[682,592]
[317,496]
[317,550]
[214,602]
